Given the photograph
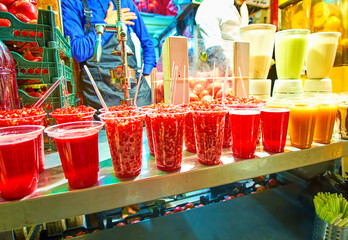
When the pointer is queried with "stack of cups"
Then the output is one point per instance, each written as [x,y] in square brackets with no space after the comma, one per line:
[261,39]
[125,136]
[303,114]
[209,127]
[19,171]
[32,120]
[326,116]
[245,122]
[167,125]
[77,144]
[290,54]
[274,121]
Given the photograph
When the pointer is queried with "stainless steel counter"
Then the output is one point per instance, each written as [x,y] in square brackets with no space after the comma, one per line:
[54,200]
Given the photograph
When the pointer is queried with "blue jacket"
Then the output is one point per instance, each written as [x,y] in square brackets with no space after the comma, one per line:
[82,44]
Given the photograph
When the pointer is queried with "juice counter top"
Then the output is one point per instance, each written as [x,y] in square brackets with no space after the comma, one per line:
[55,200]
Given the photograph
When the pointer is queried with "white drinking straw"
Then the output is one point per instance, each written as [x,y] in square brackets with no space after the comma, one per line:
[96,89]
[241,78]
[48,92]
[138,85]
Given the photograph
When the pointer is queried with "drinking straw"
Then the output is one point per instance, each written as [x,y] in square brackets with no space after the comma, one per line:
[138,85]
[183,97]
[48,92]
[171,84]
[225,80]
[96,89]
[332,208]
[241,79]
[175,80]
[213,81]
[65,86]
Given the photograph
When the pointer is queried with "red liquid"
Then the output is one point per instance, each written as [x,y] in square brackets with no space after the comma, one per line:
[149,134]
[80,160]
[189,134]
[168,138]
[34,120]
[245,127]
[274,130]
[125,138]
[19,170]
[227,133]
[209,129]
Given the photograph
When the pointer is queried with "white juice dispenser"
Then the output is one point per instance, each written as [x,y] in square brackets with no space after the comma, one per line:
[261,39]
[290,54]
[321,54]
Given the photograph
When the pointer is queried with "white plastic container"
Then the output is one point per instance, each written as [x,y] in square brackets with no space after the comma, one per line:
[261,38]
[322,49]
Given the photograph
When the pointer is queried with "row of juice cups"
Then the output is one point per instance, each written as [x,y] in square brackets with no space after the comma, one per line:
[77,142]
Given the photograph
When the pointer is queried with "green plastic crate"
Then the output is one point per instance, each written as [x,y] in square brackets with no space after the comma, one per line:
[42,33]
[45,71]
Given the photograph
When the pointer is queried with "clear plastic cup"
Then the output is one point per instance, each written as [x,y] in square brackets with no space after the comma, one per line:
[261,38]
[342,115]
[303,114]
[33,120]
[290,52]
[125,136]
[148,123]
[19,169]
[77,144]
[245,124]
[209,134]
[168,136]
[274,122]
[321,54]
[325,121]
[189,133]
[74,116]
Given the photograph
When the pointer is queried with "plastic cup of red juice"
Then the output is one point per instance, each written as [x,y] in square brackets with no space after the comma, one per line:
[73,114]
[19,169]
[168,137]
[209,133]
[77,144]
[125,137]
[245,126]
[29,116]
[274,121]
[148,123]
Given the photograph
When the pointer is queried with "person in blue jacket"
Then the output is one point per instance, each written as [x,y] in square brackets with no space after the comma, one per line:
[79,18]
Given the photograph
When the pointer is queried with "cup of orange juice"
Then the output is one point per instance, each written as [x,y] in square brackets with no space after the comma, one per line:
[325,121]
[303,114]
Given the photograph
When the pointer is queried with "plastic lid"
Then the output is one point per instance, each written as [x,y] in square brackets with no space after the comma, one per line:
[288,86]
[260,86]
[317,85]
[258,27]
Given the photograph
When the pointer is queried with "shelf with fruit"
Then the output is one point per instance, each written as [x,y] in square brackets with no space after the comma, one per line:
[53,195]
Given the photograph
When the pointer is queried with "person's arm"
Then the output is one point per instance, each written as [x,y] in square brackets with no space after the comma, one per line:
[82,45]
[149,55]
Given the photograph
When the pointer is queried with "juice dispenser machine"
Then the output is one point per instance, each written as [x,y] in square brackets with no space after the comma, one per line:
[261,39]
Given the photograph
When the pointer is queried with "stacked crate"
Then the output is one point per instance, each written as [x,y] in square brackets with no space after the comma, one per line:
[40,74]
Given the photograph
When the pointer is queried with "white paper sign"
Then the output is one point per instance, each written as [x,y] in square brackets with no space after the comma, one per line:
[259,3]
